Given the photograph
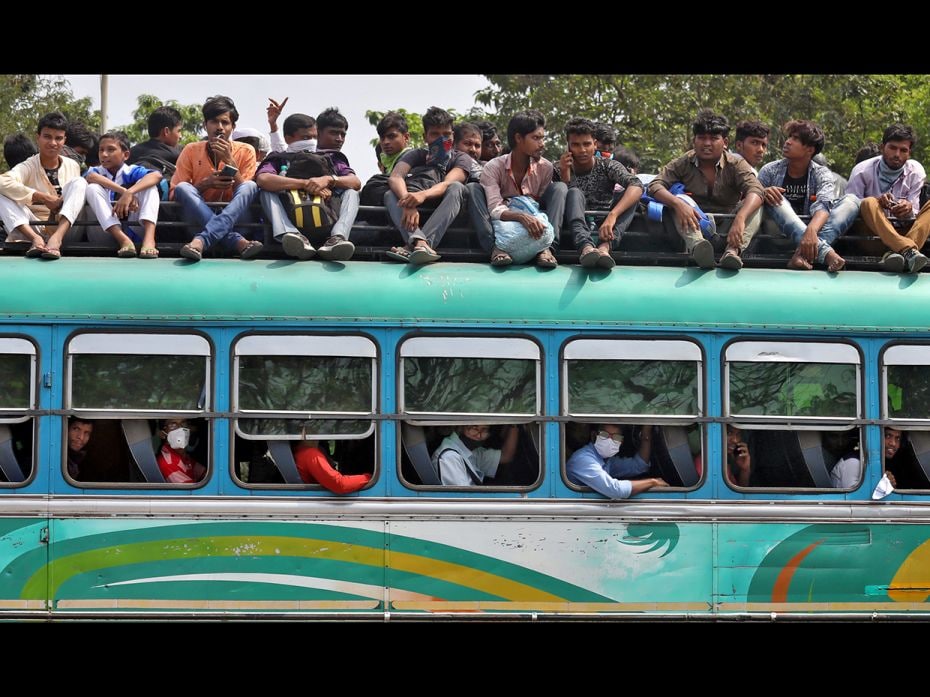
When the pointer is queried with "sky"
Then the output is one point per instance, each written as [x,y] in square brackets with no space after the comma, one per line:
[309,94]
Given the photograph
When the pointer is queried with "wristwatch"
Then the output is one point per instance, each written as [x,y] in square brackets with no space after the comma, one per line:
[332,184]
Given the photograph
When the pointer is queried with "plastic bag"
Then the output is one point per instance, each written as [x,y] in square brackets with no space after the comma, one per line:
[511,237]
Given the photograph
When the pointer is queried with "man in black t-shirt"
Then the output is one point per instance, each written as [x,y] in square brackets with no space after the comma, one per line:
[160,152]
[436,172]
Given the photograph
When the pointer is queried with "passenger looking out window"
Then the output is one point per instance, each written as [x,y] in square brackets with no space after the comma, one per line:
[597,465]
[315,467]
[463,460]
[79,434]
[175,464]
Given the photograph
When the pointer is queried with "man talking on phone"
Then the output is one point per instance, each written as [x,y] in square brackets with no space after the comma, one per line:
[216,170]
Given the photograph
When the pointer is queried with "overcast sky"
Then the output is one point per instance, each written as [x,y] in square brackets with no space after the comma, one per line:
[309,94]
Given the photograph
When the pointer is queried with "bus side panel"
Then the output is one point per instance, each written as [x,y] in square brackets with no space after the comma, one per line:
[218,566]
[23,564]
[550,567]
[829,567]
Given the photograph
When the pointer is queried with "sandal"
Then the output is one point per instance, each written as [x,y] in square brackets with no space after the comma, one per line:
[398,254]
[500,258]
[591,258]
[605,261]
[148,253]
[191,253]
[545,260]
[36,250]
[51,254]
[127,251]
[251,250]
[423,254]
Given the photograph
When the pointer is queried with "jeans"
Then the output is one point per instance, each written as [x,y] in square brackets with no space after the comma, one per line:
[574,212]
[842,215]
[552,202]
[217,226]
[346,204]
[692,237]
[439,221]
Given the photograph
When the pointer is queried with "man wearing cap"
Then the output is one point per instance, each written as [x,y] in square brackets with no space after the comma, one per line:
[255,138]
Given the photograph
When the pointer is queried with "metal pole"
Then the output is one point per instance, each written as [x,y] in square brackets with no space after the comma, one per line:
[104,79]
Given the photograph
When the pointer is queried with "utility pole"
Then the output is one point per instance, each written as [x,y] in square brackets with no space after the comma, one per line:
[104,79]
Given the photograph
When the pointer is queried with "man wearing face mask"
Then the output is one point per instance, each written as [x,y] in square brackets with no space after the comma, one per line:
[175,464]
[596,465]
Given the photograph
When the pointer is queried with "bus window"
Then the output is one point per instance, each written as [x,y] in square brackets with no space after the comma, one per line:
[471,408]
[301,403]
[138,403]
[790,406]
[651,390]
[906,402]
[17,396]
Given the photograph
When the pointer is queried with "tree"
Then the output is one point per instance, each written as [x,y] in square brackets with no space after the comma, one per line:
[653,113]
[138,130]
[24,99]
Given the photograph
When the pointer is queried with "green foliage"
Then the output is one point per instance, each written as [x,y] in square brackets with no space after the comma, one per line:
[653,113]
[470,385]
[415,121]
[792,389]
[24,99]
[138,130]
[15,377]
[911,385]
[632,387]
[137,382]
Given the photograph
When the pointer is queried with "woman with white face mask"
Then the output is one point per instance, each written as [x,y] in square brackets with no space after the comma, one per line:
[175,464]
[597,465]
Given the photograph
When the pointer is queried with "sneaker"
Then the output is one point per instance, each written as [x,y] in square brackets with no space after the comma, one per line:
[893,262]
[703,254]
[915,260]
[336,249]
[298,246]
[730,260]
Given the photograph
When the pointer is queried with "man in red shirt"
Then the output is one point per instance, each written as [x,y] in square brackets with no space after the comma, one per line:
[315,468]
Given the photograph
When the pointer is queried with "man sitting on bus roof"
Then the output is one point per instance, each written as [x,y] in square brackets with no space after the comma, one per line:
[717,181]
[462,460]
[796,186]
[889,185]
[596,465]
[751,143]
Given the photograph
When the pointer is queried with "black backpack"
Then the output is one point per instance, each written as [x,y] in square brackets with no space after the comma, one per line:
[311,214]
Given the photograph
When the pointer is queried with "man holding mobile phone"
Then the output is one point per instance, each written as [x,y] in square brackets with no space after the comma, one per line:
[217,170]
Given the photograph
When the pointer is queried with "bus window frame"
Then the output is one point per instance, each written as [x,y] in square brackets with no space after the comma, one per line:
[903,425]
[793,423]
[634,419]
[234,399]
[459,419]
[142,415]
[14,416]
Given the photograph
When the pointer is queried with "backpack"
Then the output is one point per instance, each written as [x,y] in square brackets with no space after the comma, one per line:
[311,214]
[159,165]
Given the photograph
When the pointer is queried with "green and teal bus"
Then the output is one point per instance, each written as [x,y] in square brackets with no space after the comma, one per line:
[378,362]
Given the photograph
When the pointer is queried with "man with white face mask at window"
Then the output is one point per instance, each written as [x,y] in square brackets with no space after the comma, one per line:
[596,465]
[175,464]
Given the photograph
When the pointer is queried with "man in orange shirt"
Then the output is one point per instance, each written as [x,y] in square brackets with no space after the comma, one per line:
[216,170]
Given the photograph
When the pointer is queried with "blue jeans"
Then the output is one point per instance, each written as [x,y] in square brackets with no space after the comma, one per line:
[552,202]
[346,204]
[217,226]
[842,215]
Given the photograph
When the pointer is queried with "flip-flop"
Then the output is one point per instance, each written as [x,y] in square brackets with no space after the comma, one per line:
[500,258]
[127,251]
[605,261]
[591,258]
[545,260]
[148,253]
[35,250]
[191,253]
[251,250]
[51,254]
[423,255]
[399,254]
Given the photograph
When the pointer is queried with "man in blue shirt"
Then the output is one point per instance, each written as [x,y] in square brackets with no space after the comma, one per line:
[596,465]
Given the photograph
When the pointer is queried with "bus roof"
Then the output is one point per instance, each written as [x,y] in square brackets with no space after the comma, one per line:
[383,293]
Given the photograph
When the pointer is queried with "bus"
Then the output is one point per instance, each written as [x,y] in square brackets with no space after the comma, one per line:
[379,362]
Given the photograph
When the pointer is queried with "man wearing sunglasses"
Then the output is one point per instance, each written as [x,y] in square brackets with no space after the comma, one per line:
[596,465]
